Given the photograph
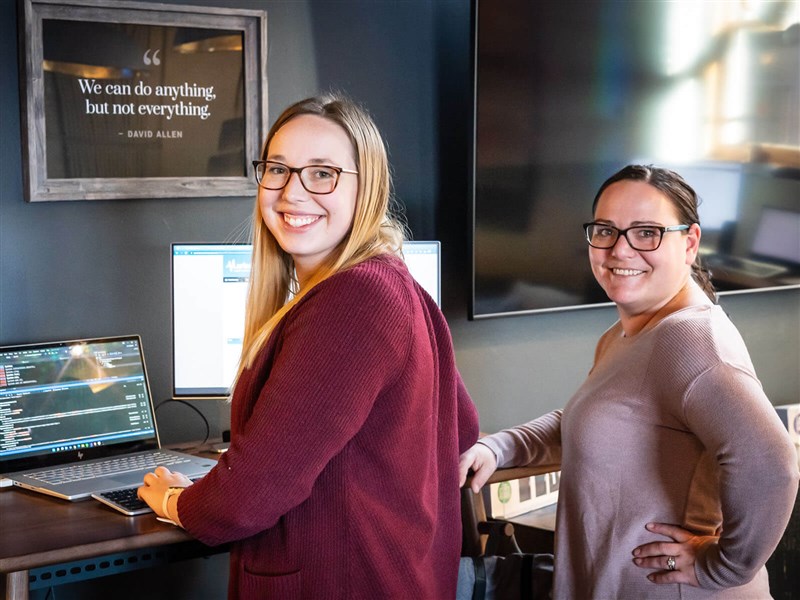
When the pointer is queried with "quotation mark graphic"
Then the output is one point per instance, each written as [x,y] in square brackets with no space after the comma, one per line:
[153,59]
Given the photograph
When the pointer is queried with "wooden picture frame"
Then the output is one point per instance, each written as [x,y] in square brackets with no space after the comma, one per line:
[136,100]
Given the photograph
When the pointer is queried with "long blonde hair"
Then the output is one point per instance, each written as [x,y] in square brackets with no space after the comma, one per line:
[375,230]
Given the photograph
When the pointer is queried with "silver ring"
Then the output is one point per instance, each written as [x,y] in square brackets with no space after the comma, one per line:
[671,563]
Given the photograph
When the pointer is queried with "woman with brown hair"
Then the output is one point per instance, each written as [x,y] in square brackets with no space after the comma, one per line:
[677,476]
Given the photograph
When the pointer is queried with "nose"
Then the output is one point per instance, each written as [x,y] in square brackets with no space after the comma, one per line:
[621,247]
[294,189]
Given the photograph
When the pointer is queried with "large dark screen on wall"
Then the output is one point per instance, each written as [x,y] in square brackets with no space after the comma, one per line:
[129,100]
[568,92]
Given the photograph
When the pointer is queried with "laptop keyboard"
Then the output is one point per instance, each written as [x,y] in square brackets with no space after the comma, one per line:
[111,466]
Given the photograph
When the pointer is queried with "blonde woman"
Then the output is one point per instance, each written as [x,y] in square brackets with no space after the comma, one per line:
[348,415]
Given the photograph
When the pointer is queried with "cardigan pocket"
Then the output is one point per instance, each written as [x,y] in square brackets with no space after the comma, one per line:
[285,585]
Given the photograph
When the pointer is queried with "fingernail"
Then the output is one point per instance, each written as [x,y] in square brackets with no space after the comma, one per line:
[637,552]
[650,525]
[638,561]
[651,577]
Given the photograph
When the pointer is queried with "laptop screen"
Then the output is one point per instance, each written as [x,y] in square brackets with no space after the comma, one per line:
[61,398]
[778,236]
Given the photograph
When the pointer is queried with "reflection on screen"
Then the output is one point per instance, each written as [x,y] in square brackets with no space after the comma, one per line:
[72,395]
[709,89]
[778,235]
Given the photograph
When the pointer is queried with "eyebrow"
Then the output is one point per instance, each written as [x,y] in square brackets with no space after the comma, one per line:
[314,161]
[633,224]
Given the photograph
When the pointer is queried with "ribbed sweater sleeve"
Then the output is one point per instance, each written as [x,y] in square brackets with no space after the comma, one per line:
[757,466]
[701,361]
[336,349]
[537,442]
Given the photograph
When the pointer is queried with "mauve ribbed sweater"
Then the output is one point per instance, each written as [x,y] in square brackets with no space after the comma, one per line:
[671,425]
[342,476]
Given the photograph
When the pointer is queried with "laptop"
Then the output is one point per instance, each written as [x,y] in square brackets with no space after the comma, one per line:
[774,251]
[77,418]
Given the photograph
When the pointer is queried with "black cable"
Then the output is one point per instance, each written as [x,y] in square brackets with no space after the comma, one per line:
[195,409]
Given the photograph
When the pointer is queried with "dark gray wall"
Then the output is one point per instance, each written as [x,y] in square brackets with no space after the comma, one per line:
[74,269]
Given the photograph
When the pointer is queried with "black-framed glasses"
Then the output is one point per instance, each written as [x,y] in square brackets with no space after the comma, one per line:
[644,238]
[316,179]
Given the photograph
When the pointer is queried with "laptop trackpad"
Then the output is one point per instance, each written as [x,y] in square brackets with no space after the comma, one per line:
[121,481]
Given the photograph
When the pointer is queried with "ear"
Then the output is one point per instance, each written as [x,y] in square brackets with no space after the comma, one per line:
[692,243]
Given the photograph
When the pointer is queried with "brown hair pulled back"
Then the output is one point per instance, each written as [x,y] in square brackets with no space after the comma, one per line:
[682,197]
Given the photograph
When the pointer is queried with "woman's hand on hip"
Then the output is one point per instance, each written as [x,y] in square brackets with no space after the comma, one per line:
[674,560]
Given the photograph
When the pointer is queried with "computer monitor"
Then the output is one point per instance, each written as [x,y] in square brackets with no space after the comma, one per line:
[777,236]
[209,289]
[423,260]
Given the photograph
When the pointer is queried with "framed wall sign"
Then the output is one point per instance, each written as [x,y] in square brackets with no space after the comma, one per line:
[137,100]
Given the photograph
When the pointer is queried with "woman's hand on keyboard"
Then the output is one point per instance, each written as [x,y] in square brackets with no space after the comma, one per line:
[156,485]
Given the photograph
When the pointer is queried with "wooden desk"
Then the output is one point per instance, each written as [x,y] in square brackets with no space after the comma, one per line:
[38,530]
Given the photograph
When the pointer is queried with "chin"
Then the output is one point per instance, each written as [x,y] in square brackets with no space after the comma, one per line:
[622,297]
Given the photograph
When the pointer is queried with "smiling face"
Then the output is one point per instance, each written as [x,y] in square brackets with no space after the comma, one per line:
[642,283]
[310,226]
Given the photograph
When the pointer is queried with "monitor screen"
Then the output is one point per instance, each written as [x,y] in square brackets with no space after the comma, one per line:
[567,93]
[209,289]
[424,263]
